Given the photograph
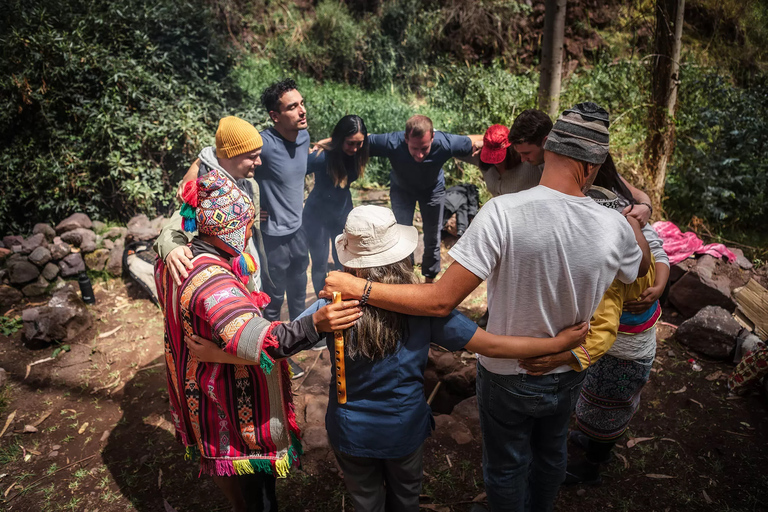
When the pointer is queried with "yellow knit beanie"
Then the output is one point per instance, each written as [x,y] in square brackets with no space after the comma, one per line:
[236,136]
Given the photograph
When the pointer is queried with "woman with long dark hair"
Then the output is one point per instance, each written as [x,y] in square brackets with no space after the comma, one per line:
[336,164]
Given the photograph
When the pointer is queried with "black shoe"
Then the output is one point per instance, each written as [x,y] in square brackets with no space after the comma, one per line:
[582,473]
[320,345]
[579,439]
[295,369]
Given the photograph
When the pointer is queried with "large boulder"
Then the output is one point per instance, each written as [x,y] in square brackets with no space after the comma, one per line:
[742,260]
[706,284]
[115,263]
[59,249]
[711,332]
[97,259]
[158,222]
[40,256]
[72,265]
[98,226]
[45,229]
[467,413]
[461,382]
[9,295]
[62,319]
[83,238]
[115,232]
[32,243]
[37,288]
[74,221]
[11,240]
[50,271]
[22,271]
[459,432]
[140,228]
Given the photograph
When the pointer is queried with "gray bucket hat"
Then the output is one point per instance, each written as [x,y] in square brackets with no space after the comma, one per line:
[581,133]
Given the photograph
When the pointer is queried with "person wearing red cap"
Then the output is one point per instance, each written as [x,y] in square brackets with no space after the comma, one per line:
[503,170]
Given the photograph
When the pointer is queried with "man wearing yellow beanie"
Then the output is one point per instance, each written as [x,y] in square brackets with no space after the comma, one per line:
[237,154]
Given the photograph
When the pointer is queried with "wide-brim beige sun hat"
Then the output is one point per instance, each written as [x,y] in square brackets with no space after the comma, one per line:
[373,238]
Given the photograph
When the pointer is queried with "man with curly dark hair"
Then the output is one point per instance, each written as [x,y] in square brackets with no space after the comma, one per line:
[281,182]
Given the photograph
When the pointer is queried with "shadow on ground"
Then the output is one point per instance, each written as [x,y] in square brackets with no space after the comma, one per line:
[141,453]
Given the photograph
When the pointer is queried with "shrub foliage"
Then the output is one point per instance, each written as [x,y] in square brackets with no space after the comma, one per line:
[102,103]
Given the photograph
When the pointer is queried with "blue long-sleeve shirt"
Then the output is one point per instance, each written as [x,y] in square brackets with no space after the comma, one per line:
[326,198]
[416,176]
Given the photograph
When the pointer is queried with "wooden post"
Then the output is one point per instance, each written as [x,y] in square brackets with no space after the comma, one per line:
[552,56]
[665,82]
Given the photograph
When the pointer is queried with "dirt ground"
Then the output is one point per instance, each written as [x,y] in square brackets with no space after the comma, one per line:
[102,439]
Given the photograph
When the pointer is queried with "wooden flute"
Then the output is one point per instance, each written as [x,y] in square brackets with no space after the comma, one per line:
[338,345]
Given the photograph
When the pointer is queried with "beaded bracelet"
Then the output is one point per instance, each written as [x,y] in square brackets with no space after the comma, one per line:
[649,207]
[366,292]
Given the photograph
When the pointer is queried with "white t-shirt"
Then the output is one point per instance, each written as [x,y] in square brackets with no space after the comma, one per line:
[548,258]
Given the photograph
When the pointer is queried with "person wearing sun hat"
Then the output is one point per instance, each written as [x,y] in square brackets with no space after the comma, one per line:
[378,434]
[503,171]
[539,251]
[219,410]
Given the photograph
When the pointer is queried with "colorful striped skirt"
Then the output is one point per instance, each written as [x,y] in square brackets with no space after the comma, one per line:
[610,396]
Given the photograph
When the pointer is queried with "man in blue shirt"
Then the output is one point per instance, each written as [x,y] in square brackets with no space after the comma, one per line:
[281,182]
[417,156]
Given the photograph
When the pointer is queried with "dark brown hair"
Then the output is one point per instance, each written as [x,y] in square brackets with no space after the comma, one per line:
[346,127]
[531,126]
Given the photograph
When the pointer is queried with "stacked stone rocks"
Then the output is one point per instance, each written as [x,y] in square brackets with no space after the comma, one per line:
[31,266]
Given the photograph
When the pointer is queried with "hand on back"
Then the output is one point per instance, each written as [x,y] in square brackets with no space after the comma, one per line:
[179,261]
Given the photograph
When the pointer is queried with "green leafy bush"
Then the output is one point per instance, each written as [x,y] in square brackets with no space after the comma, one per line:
[719,171]
[103,104]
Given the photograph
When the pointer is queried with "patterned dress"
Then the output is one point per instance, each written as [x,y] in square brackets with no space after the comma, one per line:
[239,419]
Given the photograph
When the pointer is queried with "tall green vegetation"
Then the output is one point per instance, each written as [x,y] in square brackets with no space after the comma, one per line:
[720,172]
[102,103]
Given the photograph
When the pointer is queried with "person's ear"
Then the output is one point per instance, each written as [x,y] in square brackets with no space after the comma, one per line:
[544,140]
[273,116]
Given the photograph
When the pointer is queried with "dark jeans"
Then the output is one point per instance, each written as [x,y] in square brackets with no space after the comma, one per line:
[259,492]
[288,260]
[383,485]
[431,206]
[524,421]
[322,231]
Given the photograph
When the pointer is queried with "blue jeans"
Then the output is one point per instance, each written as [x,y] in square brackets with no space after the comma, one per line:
[431,206]
[524,421]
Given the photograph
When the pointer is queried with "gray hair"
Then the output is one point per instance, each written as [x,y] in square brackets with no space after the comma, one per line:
[378,332]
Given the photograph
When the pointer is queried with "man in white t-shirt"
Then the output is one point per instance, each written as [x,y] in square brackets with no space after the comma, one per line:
[549,254]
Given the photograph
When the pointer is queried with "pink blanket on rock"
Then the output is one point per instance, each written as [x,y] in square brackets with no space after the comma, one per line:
[679,245]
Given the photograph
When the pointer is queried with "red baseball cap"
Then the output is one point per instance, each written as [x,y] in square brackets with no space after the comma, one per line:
[495,144]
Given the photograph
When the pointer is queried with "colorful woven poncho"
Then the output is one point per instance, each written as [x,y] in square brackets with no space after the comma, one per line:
[239,419]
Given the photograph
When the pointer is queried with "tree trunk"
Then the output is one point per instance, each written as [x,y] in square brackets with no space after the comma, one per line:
[660,142]
[552,56]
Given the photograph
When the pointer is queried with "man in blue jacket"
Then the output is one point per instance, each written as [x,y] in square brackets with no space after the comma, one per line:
[417,156]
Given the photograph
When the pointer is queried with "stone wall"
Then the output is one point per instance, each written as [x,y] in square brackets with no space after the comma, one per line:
[35,265]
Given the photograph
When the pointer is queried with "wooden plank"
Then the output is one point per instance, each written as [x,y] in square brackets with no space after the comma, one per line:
[753,302]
